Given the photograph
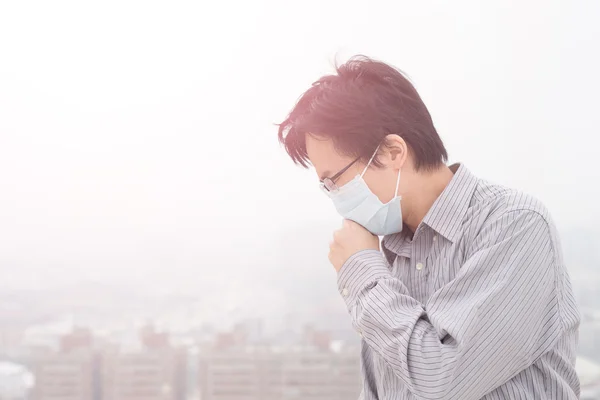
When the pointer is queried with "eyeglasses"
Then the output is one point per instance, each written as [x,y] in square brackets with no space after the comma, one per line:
[329,185]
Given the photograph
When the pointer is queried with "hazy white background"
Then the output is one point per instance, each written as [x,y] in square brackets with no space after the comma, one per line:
[138,145]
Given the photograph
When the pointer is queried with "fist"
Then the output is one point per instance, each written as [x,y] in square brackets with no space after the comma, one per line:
[349,240]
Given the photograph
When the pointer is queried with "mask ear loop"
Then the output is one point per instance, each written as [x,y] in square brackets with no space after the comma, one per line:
[369,163]
[398,183]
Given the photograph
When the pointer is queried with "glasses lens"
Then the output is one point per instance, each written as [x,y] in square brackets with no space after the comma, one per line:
[328,185]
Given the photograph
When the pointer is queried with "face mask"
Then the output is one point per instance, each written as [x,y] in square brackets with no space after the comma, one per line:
[356,202]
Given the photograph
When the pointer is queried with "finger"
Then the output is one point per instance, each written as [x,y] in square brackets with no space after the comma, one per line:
[333,260]
[330,257]
[350,224]
[337,235]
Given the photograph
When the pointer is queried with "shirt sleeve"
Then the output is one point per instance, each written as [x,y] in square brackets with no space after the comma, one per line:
[491,322]
[369,390]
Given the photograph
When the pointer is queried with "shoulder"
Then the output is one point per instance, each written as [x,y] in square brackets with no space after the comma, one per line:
[498,213]
[497,200]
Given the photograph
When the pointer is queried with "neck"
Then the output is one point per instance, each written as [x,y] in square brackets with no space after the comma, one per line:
[425,189]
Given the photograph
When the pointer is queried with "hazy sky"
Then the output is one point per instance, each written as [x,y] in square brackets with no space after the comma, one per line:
[137,137]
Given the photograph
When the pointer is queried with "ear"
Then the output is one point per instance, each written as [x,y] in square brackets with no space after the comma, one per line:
[397,150]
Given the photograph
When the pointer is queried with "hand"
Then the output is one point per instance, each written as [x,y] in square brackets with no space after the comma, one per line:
[348,240]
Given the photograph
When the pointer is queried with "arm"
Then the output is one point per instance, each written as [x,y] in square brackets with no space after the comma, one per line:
[491,322]
[369,390]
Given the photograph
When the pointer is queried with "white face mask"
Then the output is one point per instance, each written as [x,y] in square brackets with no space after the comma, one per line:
[356,202]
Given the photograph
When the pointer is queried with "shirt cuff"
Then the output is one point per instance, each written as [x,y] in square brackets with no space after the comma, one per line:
[360,272]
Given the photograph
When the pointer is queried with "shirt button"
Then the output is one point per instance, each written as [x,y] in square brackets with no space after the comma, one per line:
[419,266]
[434,238]
[345,292]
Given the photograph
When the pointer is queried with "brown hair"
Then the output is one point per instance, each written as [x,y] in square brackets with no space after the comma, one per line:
[357,108]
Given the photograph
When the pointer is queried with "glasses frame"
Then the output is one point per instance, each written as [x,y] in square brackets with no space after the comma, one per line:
[328,185]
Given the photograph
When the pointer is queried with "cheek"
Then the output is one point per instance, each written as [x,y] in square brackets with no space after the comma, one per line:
[383,185]
[386,194]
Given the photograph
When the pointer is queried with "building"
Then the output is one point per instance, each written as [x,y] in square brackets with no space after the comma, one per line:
[65,370]
[279,374]
[149,369]
[143,375]
[64,376]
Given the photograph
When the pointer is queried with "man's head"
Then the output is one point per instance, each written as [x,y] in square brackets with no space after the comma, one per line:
[344,117]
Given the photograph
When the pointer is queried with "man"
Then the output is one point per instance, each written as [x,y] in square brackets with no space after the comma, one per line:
[469,297]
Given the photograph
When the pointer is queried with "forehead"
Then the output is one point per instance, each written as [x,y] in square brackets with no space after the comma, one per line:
[324,157]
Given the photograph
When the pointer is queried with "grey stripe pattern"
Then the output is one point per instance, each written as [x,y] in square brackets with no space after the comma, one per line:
[476,305]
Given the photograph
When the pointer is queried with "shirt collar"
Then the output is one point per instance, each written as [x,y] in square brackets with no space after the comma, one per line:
[447,213]
[396,244]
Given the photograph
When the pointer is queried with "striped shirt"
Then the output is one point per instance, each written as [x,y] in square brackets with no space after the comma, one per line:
[477,304]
